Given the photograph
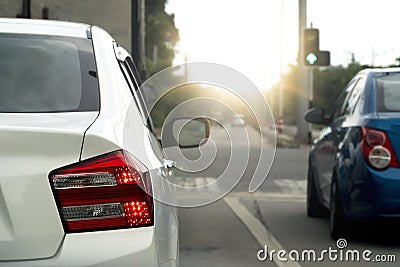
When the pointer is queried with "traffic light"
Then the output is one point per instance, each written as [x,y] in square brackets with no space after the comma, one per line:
[312,56]
[317,58]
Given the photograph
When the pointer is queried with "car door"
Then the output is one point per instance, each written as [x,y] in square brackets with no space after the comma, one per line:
[326,144]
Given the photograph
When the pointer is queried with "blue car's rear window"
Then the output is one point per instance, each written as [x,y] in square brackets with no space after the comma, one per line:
[47,74]
[388,92]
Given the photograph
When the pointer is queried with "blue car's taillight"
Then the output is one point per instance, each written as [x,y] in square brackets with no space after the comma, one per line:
[377,149]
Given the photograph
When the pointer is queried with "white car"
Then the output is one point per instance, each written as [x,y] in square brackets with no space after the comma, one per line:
[75,166]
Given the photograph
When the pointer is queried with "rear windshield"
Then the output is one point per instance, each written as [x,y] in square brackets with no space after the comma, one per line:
[47,74]
[388,92]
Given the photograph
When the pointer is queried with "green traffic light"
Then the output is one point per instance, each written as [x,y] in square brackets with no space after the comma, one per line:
[311,58]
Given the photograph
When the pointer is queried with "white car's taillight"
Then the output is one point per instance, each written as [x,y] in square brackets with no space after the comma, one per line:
[377,149]
[103,193]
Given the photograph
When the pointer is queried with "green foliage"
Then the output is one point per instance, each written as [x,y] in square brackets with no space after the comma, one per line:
[328,83]
[161,34]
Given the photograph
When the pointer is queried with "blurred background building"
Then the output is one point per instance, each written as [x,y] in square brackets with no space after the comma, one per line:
[114,16]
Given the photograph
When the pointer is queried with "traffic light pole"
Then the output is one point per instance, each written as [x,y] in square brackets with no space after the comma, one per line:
[304,80]
[310,100]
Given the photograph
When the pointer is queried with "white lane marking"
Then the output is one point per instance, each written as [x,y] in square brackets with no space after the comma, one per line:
[287,190]
[261,234]
[194,181]
[197,187]
[260,197]
[290,185]
[200,181]
[270,195]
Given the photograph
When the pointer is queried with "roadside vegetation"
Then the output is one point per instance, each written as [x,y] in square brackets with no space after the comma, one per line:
[328,82]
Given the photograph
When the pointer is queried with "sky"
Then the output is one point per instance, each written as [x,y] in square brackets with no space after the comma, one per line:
[259,38]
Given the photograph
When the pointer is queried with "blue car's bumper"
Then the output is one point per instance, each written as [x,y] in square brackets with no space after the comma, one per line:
[376,195]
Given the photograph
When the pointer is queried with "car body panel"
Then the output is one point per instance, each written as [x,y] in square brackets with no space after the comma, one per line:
[32,145]
[133,247]
[321,161]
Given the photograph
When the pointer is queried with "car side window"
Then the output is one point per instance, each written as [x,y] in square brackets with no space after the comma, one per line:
[341,101]
[130,73]
[353,98]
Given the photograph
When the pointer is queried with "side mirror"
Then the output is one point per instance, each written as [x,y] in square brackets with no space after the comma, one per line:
[317,116]
[185,133]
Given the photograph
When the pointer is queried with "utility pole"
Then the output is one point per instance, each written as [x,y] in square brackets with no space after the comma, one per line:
[138,23]
[135,30]
[280,97]
[142,42]
[304,78]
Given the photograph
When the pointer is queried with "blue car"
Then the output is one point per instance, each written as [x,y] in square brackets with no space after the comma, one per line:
[354,170]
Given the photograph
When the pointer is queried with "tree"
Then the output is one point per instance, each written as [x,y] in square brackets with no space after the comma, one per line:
[161,36]
[328,83]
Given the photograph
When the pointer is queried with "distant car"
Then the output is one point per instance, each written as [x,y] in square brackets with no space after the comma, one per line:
[354,170]
[76,162]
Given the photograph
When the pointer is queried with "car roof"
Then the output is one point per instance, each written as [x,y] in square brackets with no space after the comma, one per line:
[44,27]
[379,70]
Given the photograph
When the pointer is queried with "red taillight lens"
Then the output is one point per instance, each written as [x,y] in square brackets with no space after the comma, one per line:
[102,193]
[374,137]
[377,149]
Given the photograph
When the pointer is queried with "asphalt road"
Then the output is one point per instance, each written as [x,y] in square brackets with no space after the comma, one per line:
[233,230]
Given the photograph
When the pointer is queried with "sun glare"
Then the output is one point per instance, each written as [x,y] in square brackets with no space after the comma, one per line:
[245,37]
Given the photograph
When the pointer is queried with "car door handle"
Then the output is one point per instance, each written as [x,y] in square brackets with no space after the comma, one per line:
[169,163]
